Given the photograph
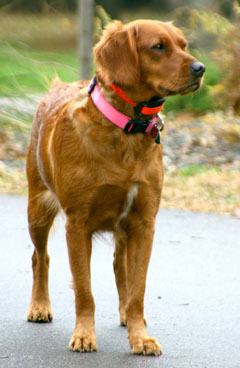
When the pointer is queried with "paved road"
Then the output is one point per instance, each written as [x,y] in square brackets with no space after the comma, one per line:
[192,300]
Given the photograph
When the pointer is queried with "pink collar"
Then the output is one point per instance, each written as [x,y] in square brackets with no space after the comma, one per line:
[128,125]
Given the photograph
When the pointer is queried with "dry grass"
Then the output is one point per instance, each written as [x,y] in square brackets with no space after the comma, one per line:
[13,181]
[210,190]
[216,191]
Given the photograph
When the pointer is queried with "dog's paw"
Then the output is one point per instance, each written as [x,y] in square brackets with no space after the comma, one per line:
[146,346]
[39,313]
[83,342]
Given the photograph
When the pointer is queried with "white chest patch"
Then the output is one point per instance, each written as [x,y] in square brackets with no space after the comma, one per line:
[128,204]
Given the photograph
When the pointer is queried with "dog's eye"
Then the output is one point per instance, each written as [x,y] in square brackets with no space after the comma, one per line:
[159,47]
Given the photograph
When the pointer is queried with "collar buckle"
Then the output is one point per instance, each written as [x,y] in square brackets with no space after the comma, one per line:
[134,126]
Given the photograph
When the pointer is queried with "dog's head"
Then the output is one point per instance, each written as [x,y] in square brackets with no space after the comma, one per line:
[150,53]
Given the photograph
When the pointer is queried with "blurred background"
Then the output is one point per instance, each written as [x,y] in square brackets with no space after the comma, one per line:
[40,39]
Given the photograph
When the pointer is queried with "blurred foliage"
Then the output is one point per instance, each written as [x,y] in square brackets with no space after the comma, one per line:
[203,28]
[101,19]
[204,31]
[39,31]
[213,40]
[114,8]
[39,6]
[227,92]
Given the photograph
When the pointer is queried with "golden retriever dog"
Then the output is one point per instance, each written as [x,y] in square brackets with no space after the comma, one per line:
[95,154]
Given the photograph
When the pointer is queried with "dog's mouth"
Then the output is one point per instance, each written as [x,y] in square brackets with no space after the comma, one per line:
[192,87]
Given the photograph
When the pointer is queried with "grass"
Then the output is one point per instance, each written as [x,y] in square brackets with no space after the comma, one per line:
[194,170]
[203,189]
[28,71]
[13,181]
[33,49]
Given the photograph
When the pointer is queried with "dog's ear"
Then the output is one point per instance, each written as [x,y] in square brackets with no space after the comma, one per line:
[116,53]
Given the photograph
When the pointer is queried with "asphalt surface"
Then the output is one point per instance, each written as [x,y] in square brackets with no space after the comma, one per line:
[192,302]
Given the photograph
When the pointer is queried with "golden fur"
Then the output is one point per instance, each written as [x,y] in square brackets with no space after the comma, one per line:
[103,179]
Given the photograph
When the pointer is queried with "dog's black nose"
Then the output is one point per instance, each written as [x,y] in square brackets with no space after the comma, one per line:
[197,69]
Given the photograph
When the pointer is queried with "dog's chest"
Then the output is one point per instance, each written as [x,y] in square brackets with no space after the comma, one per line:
[132,193]
[112,204]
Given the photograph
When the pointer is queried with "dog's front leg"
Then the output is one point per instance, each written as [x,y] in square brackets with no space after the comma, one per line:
[139,246]
[79,250]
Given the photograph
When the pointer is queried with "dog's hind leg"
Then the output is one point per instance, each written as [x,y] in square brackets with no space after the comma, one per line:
[120,270]
[42,209]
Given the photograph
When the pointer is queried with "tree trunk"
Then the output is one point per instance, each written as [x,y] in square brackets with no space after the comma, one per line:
[85,10]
